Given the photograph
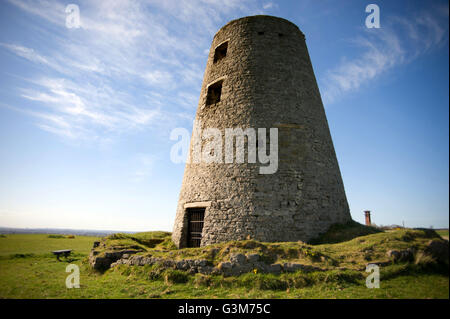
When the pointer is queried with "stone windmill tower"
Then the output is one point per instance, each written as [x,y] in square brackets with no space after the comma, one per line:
[259,75]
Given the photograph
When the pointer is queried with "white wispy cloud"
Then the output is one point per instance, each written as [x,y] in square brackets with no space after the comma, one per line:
[158,78]
[82,110]
[25,52]
[51,11]
[400,40]
[131,65]
[269,5]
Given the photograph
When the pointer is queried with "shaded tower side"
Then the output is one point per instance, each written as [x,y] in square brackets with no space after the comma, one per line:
[266,80]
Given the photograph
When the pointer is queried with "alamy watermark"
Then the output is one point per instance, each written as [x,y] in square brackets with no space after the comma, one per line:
[373,19]
[73,280]
[373,279]
[73,16]
[207,146]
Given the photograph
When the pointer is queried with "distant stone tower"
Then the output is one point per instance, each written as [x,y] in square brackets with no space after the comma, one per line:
[259,75]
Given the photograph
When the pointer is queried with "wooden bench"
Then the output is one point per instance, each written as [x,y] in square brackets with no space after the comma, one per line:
[64,252]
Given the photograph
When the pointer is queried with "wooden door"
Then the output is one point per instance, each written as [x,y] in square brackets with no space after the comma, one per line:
[195,226]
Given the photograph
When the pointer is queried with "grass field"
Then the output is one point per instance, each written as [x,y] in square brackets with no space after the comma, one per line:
[28,270]
[42,244]
[443,233]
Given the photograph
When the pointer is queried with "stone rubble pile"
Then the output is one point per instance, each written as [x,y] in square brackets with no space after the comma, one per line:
[237,265]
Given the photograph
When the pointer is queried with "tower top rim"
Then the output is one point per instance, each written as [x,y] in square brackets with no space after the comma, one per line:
[258,17]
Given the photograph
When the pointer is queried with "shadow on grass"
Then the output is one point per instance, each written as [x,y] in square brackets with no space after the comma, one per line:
[69,259]
[17,256]
[415,269]
[343,232]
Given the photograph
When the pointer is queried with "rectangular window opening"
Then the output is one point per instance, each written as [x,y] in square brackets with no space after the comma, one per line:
[214,93]
[195,226]
[220,52]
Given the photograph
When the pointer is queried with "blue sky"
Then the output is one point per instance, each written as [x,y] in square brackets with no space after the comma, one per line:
[86,113]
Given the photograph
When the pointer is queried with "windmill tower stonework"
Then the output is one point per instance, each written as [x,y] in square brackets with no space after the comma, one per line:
[259,75]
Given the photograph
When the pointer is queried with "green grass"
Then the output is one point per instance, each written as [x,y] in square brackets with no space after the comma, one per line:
[44,277]
[41,244]
[442,232]
[28,270]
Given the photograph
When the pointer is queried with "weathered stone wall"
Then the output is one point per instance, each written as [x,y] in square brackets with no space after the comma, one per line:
[237,265]
[268,81]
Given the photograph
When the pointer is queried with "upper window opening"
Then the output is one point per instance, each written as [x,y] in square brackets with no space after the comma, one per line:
[214,92]
[261,33]
[280,35]
[220,52]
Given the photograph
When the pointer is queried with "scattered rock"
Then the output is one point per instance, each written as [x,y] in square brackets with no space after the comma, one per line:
[253,258]
[224,266]
[237,265]
[401,255]
[292,267]
[103,261]
[238,258]
[207,270]
[274,269]
[438,249]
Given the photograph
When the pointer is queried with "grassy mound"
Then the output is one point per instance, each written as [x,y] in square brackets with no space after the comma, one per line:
[353,254]
[342,264]
[144,241]
[29,270]
[342,232]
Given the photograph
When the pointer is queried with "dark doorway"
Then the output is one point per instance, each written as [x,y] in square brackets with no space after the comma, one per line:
[195,226]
